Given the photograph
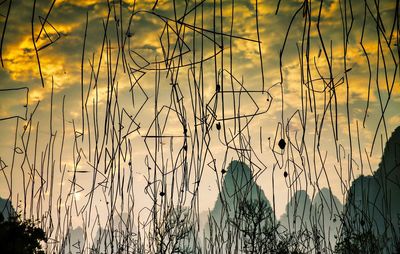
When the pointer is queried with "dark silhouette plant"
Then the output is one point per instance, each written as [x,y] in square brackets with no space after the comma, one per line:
[355,242]
[259,233]
[20,236]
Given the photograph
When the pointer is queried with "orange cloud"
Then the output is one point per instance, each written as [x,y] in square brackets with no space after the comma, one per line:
[80,3]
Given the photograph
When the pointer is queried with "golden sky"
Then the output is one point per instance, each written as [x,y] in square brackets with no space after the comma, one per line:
[323,71]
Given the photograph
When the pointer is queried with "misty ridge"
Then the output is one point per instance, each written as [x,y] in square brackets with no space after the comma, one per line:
[242,219]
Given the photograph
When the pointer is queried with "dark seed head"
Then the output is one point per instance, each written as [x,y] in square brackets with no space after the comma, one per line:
[218,125]
[282,144]
[285,174]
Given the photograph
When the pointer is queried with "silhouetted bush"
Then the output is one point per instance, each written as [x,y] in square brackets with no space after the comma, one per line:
[259,233]
[20,237]
[355,242]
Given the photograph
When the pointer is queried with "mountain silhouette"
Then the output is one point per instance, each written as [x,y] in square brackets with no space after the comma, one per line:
[317,216]
[74,241]
[297,212]
[6,208]
[373,201]
[326,211]
[241,207]
[238,186]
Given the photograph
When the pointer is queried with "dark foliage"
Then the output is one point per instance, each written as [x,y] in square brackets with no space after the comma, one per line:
[358,243]
[259,233]
[20,237]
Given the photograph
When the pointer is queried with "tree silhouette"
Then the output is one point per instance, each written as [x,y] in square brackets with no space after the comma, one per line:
[175,233]
[20,237]
[260,234]
[358,242]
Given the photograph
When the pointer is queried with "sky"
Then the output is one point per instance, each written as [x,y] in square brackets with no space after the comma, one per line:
[123,109]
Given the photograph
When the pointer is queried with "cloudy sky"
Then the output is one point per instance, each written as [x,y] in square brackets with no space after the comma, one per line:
[117,101]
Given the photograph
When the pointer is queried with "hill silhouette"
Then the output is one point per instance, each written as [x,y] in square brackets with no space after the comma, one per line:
[373,201]
[325,217]
[241,210]
[6,208]
[238,186]
[318,216]
[297,215]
